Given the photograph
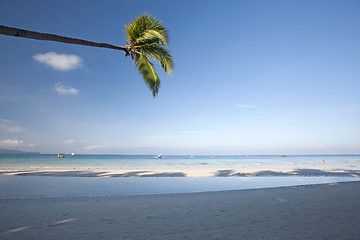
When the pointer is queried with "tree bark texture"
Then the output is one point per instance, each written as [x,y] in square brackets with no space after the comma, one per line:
[16,32]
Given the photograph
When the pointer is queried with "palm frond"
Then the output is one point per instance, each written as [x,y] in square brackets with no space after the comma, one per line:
[146,26]
[152,36]
[147,70]
[148,39]
[160,54]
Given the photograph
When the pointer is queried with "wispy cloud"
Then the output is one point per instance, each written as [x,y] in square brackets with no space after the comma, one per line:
[11,143]
[3,120]
[61,62]
[199,132]
[61,89]
[69,141]
[14,129]
[321,146]
[91,147]
[8,126]
[245,106]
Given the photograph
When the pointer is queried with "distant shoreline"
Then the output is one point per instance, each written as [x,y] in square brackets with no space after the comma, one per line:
[9,151]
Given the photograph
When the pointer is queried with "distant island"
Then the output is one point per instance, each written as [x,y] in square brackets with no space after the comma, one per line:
[10,151]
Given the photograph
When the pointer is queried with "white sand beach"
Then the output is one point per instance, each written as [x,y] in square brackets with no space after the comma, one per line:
[185,171]
[326,211]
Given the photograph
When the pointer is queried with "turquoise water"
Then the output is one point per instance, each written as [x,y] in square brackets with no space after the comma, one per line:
[18,187]
[344,162]
[46,186]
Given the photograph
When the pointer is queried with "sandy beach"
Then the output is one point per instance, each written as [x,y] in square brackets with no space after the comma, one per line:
[207,171]
[326,211]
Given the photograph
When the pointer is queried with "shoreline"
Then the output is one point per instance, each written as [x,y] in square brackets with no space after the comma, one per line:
[29,187]
[324,211]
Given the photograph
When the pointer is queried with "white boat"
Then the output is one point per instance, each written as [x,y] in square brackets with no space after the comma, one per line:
[158,156]
[72,154]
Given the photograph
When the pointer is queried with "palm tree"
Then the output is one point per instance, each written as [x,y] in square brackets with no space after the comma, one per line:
[146,38]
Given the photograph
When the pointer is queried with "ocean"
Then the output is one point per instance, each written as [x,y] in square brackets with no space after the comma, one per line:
[310,170]
[332,162]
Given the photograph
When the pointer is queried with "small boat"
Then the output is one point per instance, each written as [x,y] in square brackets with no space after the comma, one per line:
[284,155]
[72,154]
[61,155]
[158,156]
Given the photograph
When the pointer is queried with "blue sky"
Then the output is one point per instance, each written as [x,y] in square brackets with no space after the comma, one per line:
[251,77]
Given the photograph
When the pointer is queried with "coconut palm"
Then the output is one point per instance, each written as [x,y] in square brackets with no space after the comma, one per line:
[147,39]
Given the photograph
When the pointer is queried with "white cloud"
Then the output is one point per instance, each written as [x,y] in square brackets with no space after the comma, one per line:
[245,106]
[321,146]
[61,62]
[69,141]
[3,120]
[14,129]
[11,143]
[91,147]
[7,125]
[352,145]
[61,89]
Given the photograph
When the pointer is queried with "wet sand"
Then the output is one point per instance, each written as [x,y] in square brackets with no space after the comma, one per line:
[326,211]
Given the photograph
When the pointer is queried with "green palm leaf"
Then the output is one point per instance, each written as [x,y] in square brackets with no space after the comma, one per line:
[147,70]
[145,26]
[148,40]
[160,54]
[152,36]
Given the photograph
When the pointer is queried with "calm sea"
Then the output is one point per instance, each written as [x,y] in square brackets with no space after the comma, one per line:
[341,162]
[14,187]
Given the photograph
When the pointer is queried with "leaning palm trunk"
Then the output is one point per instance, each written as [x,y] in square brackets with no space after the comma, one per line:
[16,32]
[147,39]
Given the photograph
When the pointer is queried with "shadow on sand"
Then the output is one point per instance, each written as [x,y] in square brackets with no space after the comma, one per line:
[220,173]
[93,174]
[297,172]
